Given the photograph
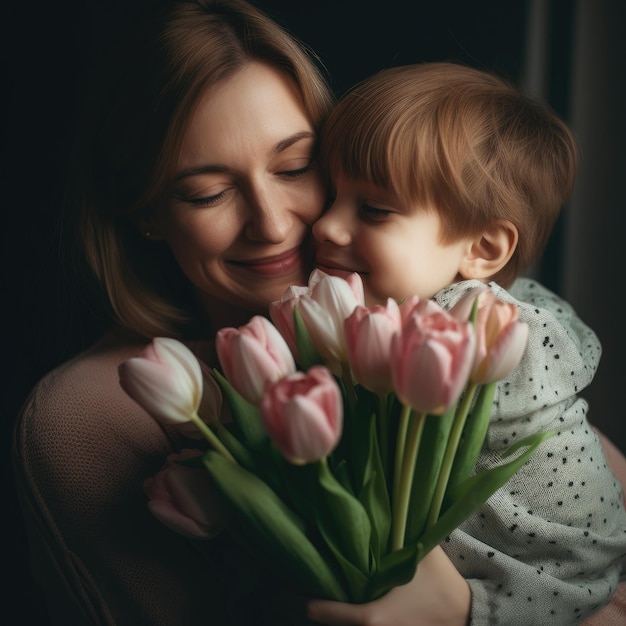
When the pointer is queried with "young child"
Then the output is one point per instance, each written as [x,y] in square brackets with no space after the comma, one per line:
[443,177]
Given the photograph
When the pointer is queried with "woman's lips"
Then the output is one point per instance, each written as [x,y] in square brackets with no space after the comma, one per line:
[276,265]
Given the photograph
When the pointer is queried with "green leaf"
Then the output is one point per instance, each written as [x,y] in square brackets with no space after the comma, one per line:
[274,529]
[239,451]
[375,496]
[307,352]
[357,580]
[342,473]
[342,520]
[376,503]
[299,482]
[429,459]
[247,416]
[395,569]
[261,461]
[476,490]
[473,436]
[359,431]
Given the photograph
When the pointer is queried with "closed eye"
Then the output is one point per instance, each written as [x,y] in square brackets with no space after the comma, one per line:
[375,213]
[297,173]
[208,201]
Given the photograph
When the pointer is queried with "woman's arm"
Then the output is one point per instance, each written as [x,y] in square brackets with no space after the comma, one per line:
[82,451]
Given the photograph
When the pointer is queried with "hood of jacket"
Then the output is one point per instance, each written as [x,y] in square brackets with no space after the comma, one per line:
[561,359]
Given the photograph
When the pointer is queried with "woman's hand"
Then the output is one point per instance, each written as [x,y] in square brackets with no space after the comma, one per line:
[438,594]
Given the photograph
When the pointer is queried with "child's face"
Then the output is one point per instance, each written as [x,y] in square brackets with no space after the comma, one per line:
[394,247]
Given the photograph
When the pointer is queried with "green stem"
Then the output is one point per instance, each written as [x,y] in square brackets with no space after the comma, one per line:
[348,383]
[383,430]
[211,437]
[448,459]
[400,445]
[403,491]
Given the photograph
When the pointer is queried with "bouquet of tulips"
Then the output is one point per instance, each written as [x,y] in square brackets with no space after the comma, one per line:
[355,430]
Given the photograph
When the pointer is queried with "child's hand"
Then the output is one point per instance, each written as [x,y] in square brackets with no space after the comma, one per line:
[438,594]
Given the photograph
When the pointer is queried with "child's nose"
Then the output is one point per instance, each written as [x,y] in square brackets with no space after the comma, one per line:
[333,227]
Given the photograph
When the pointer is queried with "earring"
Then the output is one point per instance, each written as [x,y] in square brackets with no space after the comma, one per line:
[148,234]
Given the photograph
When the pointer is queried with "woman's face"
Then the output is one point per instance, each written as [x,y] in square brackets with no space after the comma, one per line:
[237,215]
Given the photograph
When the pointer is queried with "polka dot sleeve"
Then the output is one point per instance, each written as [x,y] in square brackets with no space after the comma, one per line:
[547,547]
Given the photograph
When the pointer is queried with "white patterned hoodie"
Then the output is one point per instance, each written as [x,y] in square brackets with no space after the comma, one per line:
[547,547]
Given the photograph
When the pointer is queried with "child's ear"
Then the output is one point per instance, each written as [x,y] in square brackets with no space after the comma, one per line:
[490,251]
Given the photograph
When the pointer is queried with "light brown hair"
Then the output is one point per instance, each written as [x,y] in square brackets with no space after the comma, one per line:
[130,141]
[463,142]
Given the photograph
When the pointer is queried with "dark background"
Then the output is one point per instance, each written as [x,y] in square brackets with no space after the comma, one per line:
[49,49]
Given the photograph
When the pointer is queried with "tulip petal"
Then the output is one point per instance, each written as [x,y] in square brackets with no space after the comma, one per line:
[182,359]
[303,414]
[310,435]
[184,498]
[174,520]
[155,387]
[506,354]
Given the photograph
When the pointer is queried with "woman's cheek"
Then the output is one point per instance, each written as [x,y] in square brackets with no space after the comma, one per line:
[316,194]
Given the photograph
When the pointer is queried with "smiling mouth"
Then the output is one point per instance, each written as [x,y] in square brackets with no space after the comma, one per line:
[276,265]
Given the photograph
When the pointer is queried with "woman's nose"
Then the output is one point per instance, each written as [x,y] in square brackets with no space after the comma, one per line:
[271,219]
[333,226]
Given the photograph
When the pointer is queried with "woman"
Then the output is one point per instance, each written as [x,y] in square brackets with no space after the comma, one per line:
[194,187]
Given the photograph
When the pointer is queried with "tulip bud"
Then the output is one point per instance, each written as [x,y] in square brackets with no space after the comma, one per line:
[500,336]
[303,414]
[210,409]
[368,333]
[324,311]
[431,359]
[353,279]
[184,498]
[414,304]
[166,380]
[281,312]
[252,355]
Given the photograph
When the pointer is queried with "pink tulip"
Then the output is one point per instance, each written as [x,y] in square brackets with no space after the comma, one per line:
[303,414]
[184,498]
[252,355]
[368,333]
[352,278]
[414,304]
[324,310]
[281,312]
[431,359]
[500,335]
[210,409]
[166,380]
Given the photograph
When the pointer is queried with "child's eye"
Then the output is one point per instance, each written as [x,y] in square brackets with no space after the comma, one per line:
[375,213]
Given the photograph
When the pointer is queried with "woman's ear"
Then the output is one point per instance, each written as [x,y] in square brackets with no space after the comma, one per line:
[146,225]
[490,251]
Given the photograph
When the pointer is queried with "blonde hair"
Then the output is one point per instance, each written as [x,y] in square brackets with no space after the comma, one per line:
[463,142]
[130,140]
